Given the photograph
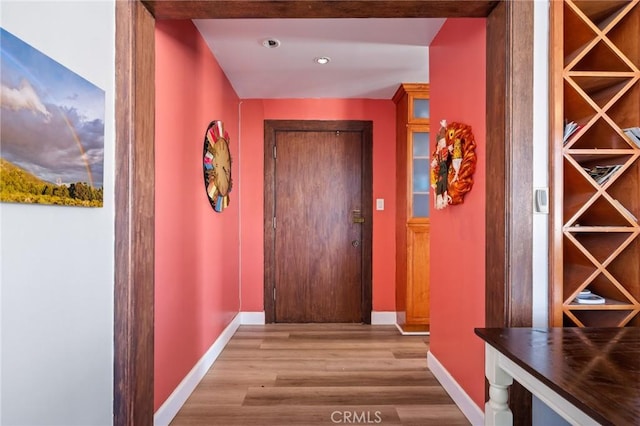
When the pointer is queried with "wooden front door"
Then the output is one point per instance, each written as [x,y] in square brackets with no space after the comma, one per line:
[321,249]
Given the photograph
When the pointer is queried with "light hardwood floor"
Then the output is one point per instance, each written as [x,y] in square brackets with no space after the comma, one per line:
[311,374]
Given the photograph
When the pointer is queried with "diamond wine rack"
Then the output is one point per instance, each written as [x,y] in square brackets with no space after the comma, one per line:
[595,170]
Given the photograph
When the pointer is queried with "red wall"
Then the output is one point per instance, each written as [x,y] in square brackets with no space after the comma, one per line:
[196,249]
[209,266]
[253,114]
[457,83]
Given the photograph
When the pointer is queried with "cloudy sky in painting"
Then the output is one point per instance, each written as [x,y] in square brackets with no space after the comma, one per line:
[51,119]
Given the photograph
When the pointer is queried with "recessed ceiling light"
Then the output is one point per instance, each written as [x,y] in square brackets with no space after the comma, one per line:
[271,43]
[322,60]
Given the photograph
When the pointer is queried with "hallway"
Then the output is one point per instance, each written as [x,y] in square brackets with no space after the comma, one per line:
[311,374]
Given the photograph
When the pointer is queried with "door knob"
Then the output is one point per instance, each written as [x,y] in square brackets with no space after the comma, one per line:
[355,243]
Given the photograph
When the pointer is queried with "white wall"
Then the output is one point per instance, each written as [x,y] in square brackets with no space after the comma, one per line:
[540,160]
[57,262]
[542,415]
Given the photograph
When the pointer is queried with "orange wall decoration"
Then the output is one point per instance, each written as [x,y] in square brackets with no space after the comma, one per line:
[196,249]
[253,114]
[457,83]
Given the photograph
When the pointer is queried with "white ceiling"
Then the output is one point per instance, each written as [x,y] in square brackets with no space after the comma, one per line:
[369,57]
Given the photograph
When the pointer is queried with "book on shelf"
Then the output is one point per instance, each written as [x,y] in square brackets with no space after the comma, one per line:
[601,174]
[634,134]
[570,127]
[586,297]
[592,299]
[624,209]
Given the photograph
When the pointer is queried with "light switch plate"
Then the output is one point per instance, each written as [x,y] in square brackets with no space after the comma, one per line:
[379,203]
[541,200]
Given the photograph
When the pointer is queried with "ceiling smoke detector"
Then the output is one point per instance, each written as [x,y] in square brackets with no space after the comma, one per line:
[271,43]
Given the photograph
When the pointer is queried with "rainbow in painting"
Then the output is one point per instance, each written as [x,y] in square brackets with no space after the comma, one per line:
[51,130]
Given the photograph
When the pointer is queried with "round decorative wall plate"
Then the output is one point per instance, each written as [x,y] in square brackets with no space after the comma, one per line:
[217,165]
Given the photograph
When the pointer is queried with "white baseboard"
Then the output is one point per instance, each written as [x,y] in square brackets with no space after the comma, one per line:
[412,333]
[383,318]
[178,397]
[469,408]
[252,318]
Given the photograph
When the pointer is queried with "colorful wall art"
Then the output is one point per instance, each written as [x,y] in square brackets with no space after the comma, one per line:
[453,164]
[217,165]
[51,130]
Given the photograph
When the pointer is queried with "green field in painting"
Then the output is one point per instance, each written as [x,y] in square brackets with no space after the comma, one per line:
[19,186]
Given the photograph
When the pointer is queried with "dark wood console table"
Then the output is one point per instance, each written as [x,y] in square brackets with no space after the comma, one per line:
[586,375]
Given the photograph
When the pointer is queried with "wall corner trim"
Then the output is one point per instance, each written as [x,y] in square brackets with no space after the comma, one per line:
[383,317]
[252,318]
[178,397]
[469,408]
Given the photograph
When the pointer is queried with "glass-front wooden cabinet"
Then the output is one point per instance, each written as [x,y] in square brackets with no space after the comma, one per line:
[413,206]
[420,171]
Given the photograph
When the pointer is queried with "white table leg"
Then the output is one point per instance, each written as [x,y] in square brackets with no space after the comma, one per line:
[496,410]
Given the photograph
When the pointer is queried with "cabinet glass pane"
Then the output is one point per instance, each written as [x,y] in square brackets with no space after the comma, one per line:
[420,144]
[420,205]
[421,108]
[421,175]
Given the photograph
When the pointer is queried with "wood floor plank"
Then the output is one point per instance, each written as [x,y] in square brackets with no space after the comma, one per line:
[350,378]
[409,353]
[261,353]
[361,335]
[312,374]
[207,395]
[245,343]
[276,365]
[342,344]
[377,364]
[260,333]
[292,416]
[353,395]
[225,377]
[437,415]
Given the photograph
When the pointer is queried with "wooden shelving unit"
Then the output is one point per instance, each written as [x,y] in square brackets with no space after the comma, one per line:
[412,207]
[595,236]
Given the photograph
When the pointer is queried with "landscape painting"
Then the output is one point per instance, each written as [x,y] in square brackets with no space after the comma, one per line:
[51,130]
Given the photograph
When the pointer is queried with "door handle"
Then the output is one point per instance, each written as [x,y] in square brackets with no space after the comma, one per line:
[355,243]
[356,216]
